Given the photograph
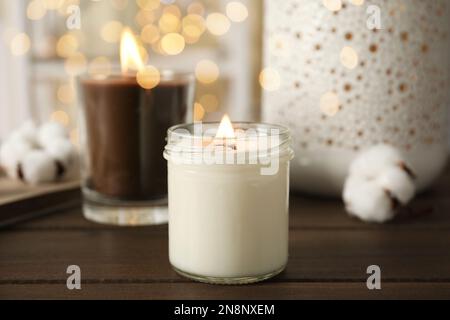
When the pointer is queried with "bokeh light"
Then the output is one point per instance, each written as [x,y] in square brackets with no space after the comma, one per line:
[148,77]
[357,2]
[329,104]
[148,4]
[112,31]
[333,5]
[217,23]
[74,137]
[61,117]
[173,10]
[150,34]
[66,94]
[349,57]
[169,23]
[67,45]
[270,79]
[144,17]
[36,10]
[193,25]
[236,11]
[196,8]
[172,43]
[20,44]
[199,112]
[206,71]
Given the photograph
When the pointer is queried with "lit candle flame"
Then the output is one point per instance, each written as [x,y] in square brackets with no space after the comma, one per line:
[225,129]
[130,57]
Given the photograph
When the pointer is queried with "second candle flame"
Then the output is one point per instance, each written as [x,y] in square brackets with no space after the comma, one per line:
[225,129]
[130,56]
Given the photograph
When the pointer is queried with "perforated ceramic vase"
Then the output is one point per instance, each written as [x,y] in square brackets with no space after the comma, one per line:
[341,86]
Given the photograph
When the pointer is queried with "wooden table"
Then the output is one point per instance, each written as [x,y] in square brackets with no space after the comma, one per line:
[329,254]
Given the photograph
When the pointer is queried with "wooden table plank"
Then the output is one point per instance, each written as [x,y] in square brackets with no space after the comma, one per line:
[431,210]
[305,213]
[14,190]
[428,210]
[262,291]
[141,253]
[329,254]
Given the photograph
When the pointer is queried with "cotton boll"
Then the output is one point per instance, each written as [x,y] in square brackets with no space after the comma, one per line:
[9,160]
[351,184]
[398,183]
[11,153]
[372,162]
[61,150]
[50,131]
[27,132]
[38,167]
[66,155]
[367,201]
[8,155]
[378,182]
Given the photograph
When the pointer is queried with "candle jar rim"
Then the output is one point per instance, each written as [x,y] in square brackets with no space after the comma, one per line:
[191,141]
[282,130]
[116,72]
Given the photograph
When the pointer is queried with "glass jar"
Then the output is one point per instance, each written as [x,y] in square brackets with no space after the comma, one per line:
[228,202]
[122,136]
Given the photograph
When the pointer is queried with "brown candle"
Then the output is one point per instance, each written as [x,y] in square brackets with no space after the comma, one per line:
[125,133]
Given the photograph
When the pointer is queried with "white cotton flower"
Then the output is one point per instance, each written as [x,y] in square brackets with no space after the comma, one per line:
[378,182]
[367,201]
[50,131]
[18,144]
[38,167]
[61,149]
[39,155]
[373,161]
[66,155]
[398,183]
[8,159]
[11,153]
[27,133]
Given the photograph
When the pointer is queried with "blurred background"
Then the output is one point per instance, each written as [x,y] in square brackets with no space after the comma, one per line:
[342,75]
[44,44]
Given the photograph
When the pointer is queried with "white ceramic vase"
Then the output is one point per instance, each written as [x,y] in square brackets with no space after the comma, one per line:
[341,86]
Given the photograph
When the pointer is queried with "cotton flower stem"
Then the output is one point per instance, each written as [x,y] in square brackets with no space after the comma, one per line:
[408,170]
[395,203]
[20,172]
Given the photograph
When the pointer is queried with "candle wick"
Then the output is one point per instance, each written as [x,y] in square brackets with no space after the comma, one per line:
[225,143]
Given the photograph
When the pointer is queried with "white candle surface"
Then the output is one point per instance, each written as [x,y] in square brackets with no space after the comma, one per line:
[227,221]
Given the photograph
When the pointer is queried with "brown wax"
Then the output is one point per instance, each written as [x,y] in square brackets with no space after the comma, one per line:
[126,127]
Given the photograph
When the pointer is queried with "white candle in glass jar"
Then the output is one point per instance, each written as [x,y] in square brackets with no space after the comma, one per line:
[228,221]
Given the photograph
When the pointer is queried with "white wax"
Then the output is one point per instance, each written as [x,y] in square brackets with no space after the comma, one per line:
[228,220]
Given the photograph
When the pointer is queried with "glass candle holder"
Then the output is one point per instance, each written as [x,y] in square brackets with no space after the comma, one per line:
[228,202]
[122,136]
